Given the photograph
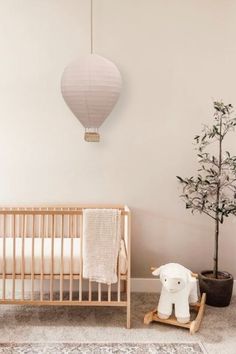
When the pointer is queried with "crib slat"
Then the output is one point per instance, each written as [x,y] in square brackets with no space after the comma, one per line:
[118,283]
[42,230]
[71,233]
[90,290]
[81,258]
[128,245]
[14,257]
[24,225]
[62,258]
[4,259]
[99,292]
[32,261]
[109,292]
[52,258]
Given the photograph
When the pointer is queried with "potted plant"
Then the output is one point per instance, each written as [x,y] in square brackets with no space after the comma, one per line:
[213,193]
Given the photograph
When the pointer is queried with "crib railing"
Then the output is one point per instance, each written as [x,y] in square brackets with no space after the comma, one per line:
[56,223]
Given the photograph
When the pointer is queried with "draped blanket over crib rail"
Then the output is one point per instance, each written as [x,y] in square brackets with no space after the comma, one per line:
[43,251]
[101,230]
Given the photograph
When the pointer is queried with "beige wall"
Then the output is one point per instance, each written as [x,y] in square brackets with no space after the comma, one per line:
[175,56]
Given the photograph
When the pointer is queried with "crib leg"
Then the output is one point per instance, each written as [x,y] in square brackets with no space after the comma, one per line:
[128,313]
[128,325]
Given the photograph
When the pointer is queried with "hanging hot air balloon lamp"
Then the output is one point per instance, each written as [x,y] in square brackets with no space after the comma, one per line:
[91,87]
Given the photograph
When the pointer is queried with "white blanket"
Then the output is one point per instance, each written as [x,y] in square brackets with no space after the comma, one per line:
[101,242]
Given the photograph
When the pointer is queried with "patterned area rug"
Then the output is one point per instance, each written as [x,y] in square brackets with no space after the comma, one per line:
[101,348]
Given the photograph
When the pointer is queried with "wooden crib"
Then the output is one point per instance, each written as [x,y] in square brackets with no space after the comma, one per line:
[41,259]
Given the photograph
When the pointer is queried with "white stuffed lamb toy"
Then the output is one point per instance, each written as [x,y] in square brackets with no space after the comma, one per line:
[179,288]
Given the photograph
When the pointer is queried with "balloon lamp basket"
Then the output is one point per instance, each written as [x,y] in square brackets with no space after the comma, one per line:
[92,137]
[193,325]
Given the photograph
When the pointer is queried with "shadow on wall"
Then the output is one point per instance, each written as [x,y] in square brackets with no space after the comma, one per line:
[158,239]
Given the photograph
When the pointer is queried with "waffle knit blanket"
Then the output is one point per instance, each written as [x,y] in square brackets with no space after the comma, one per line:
[101,243]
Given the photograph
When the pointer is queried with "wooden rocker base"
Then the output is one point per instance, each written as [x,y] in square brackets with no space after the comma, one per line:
[193,325]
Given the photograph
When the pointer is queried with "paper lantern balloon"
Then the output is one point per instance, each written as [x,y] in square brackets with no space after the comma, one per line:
[91,88]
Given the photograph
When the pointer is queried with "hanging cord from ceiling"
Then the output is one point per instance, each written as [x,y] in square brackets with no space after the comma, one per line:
[91,26]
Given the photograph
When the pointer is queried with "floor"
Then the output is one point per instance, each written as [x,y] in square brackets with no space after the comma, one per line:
[70,324]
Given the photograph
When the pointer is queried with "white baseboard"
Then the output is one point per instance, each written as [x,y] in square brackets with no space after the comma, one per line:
[152,285]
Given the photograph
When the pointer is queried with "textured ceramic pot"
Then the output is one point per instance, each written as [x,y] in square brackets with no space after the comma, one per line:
[218,291]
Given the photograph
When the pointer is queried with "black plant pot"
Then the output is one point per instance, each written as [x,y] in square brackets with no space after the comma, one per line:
[218,291]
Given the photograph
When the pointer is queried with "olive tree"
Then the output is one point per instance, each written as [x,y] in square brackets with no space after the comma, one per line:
[213,190]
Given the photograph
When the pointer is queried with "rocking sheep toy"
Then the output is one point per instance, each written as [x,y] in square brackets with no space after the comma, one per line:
[179,288]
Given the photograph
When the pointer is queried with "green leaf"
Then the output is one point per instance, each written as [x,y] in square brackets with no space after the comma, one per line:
[180,178]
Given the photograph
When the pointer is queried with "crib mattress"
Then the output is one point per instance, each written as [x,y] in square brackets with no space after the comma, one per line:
[47,255]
